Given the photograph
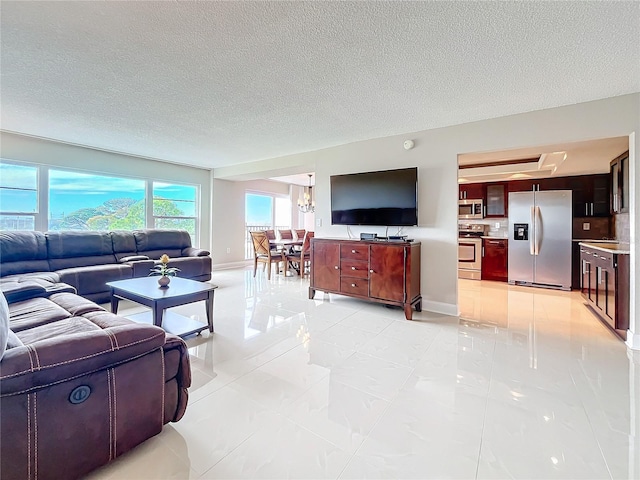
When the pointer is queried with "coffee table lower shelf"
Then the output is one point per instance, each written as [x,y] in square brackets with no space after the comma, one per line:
[171,322]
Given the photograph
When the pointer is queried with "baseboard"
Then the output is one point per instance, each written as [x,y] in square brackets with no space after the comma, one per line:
[633,340]
[440,307]
[230,265]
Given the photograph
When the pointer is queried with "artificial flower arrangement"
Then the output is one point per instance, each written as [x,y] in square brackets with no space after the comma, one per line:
[163,269]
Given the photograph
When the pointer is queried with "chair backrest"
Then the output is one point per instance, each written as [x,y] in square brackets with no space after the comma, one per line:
[300,234]
[285,234]
[271,234]
[260,243]
[306,244]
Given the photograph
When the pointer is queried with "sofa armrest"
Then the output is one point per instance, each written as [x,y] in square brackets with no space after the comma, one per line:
[54,360]
[141,268]
[133,258]
[194,252]
[20,291]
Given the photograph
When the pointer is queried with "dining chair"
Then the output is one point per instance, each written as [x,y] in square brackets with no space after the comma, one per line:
[285,234]
[263,253]
[300,234]
[301,258]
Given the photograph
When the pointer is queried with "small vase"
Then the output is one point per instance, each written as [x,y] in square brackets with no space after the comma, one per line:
[164,282]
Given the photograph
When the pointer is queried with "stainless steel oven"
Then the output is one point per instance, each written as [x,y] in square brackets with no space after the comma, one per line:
[470,250]
[468,209]
[470,258]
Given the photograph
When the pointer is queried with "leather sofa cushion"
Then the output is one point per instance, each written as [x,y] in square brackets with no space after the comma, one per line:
[19,291]
[22,266]
[64,327]
[192,267]
[123,242]
[71,244]
[92,279]
[35,312]
[161,240]
[60,263]
[23,246]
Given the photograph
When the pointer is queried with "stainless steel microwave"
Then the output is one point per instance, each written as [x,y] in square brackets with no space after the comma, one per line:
[470,208]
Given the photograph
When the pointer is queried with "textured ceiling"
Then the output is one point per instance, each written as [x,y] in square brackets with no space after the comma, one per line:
[219,83]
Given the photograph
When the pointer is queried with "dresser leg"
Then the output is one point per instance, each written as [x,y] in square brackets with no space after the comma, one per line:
[408,311]
[312,293]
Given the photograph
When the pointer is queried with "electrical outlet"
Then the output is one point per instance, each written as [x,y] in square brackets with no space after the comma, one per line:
[586,226]
[497,224]
[318,222]
[228,250]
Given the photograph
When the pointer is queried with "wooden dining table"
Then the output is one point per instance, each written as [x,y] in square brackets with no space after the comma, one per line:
[285,243]
[288,244]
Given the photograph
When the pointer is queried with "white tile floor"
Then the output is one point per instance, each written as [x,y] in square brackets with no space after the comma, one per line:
[527,384]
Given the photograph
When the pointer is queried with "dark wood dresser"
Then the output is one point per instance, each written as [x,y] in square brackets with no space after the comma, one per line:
[378,271]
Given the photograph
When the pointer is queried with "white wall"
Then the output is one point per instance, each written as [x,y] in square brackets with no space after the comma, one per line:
[229,216]
[436,153]
[46,152]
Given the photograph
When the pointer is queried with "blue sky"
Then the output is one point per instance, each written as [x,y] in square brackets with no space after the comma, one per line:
[70,191]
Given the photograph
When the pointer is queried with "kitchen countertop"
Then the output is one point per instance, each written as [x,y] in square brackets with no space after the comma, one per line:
[619,248]
[594,240]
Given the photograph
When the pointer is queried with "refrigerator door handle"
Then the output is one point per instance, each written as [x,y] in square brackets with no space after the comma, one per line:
[537,230]
[532,247]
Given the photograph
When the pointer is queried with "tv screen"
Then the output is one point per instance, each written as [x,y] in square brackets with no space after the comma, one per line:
[386,198]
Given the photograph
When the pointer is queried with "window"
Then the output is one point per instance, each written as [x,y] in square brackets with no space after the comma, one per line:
[174,206]
[18,196]
[38,197]
[83,201]
[265,212]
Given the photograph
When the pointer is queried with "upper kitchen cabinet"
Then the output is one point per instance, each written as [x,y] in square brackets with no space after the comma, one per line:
[590,195]
[471,191]
[496,200]
[620,184]
[522,185]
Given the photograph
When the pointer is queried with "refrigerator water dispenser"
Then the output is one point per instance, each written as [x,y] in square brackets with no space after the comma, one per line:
[521,231]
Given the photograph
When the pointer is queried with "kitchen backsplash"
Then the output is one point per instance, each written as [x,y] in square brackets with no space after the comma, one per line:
[599,228]
[498,227]
[621,227]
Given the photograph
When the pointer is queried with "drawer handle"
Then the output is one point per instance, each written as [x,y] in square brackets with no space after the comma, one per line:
[353,251]
[604,258]
[353,285]
[371,271]
[336,267]
[595,254]
[353,268]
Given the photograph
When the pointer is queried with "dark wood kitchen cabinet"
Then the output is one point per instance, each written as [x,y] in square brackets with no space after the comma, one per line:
[496,200]
[378,271]
[605,286]
[471,191]
[495,257]
[620,184]
[590,195]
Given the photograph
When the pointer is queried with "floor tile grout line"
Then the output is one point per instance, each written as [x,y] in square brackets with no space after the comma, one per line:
[595,436]
[486,408]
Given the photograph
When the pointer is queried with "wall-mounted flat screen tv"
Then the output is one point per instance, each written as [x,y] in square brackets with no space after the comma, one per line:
[386,198]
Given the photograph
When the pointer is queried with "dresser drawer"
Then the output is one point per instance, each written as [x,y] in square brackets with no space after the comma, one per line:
[353,251]
[354,286]
[354,268]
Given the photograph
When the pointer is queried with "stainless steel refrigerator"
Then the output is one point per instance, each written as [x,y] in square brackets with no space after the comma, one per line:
[540,226]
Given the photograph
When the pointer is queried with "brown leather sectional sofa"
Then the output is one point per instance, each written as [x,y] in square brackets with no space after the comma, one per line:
[84,387]
[87,260]
[80,386]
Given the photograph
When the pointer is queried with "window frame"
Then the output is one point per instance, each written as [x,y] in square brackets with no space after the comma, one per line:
[42,193]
